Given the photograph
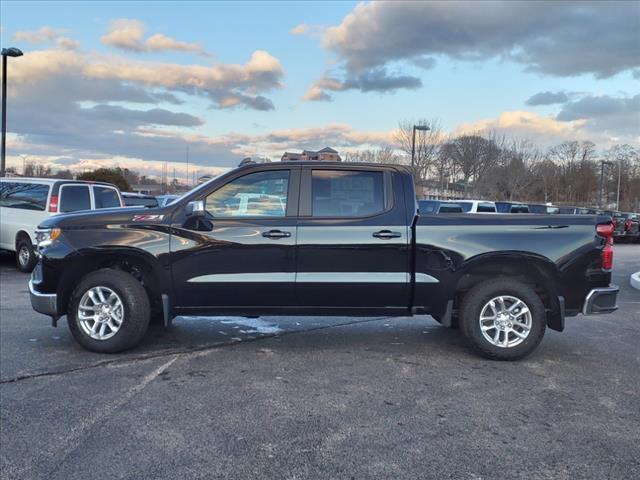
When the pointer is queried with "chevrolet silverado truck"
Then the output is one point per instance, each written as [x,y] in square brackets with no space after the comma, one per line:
[308,238]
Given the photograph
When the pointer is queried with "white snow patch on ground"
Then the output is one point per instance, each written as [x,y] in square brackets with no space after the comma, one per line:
[256,325]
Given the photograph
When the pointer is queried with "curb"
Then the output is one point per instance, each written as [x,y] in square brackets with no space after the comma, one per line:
[635,280]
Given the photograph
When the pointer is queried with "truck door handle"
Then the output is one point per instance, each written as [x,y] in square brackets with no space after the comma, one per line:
[387,234]
[275,234]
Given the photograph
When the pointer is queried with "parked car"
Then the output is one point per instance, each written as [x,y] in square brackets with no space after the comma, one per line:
[567,210]
[132,199]
[619,230]
[349,242]
[477,206]
[591,211]
[512,207]
[164,200]
[438,206]
[543,209]
[26,202]
[631,226]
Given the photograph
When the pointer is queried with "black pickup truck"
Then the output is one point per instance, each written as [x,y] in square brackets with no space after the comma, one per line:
[320,239]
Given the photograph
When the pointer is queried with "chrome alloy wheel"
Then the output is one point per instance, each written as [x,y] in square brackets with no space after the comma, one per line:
[100,312]
[24,256]
[505,321]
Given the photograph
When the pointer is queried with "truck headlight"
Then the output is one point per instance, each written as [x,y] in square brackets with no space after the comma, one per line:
[47,236]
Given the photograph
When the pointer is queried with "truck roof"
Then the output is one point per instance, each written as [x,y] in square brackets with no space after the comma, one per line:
[329,165]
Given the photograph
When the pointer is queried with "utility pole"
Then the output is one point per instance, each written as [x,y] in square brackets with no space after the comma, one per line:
[602,164]
[618,194]
[187,166]
[6,52]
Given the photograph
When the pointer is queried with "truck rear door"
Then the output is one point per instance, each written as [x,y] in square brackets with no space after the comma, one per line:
[353,242]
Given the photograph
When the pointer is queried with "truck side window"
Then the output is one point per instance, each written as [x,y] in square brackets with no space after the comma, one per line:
[344,193]
[260,194]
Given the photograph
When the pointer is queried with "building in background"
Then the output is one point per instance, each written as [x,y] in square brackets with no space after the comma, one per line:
[327,154]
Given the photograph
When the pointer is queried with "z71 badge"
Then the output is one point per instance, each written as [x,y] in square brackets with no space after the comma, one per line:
[147,218]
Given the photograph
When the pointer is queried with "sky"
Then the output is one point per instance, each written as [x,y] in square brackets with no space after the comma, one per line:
[136,84]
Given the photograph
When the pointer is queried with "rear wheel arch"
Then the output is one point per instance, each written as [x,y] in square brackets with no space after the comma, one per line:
[538,272]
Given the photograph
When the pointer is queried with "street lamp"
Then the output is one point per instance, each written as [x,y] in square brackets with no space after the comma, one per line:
[602,164]
[422,128]
[6,52]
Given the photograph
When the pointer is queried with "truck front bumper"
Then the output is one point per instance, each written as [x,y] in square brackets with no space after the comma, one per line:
[46,303]
[601,300]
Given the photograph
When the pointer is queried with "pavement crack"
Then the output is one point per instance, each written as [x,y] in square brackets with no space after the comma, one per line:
[177,351]
[72,441]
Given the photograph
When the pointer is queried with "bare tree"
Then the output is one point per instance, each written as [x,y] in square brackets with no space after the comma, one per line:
[427,144]
[33,169]
[473,155]
[382,155]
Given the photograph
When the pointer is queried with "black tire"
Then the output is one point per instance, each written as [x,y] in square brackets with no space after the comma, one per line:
[475,300]
[136,311]
[26,258]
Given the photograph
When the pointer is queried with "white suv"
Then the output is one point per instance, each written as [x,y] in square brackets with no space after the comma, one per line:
[477,206]
[26,202]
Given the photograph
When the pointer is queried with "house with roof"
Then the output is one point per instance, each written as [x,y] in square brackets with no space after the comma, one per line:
[327,154]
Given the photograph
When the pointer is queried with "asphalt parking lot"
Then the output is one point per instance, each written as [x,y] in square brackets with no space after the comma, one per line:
[319,398]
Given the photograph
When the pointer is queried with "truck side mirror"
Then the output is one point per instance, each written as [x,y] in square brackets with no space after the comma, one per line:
[195,209]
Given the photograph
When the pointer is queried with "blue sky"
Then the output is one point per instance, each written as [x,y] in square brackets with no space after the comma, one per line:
[484,62]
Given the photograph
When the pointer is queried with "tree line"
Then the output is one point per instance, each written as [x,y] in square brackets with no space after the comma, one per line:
[497,167]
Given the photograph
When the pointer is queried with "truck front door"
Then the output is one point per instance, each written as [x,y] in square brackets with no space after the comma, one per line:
[242,253]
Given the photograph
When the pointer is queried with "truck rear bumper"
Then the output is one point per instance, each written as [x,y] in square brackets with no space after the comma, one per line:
[601,300]
[46,303]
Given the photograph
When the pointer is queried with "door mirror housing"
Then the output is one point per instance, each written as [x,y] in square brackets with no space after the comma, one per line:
[195,209]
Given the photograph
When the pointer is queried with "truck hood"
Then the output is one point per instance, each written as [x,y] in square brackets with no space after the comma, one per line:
[106,216]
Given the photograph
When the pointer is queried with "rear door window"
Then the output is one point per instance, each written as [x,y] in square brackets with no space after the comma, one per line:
[74,198]
[106,197]
[345,193]
[25,196]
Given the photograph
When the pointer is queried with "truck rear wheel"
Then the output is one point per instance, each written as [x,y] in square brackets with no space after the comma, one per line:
[503,319]
[108,311]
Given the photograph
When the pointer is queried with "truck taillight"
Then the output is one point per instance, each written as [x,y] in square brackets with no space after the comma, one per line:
[606,231]
[53,204]
[627,224]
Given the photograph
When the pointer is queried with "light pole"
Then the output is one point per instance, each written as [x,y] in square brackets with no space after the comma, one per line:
[423,128]
[602,164]
[6,52]
[618,194]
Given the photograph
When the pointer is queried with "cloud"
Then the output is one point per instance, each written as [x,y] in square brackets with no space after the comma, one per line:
[44,34]
[604,121]
[309,30]
[376,80]
[127,34]
[300,29]
[67,43]
[88,105]
[547,98]
[616,117]
[47,34]
[544,130]
[562,39]
[226,85]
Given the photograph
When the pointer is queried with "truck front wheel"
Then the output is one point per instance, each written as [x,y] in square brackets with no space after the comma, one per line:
[108,311]
[503,319]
